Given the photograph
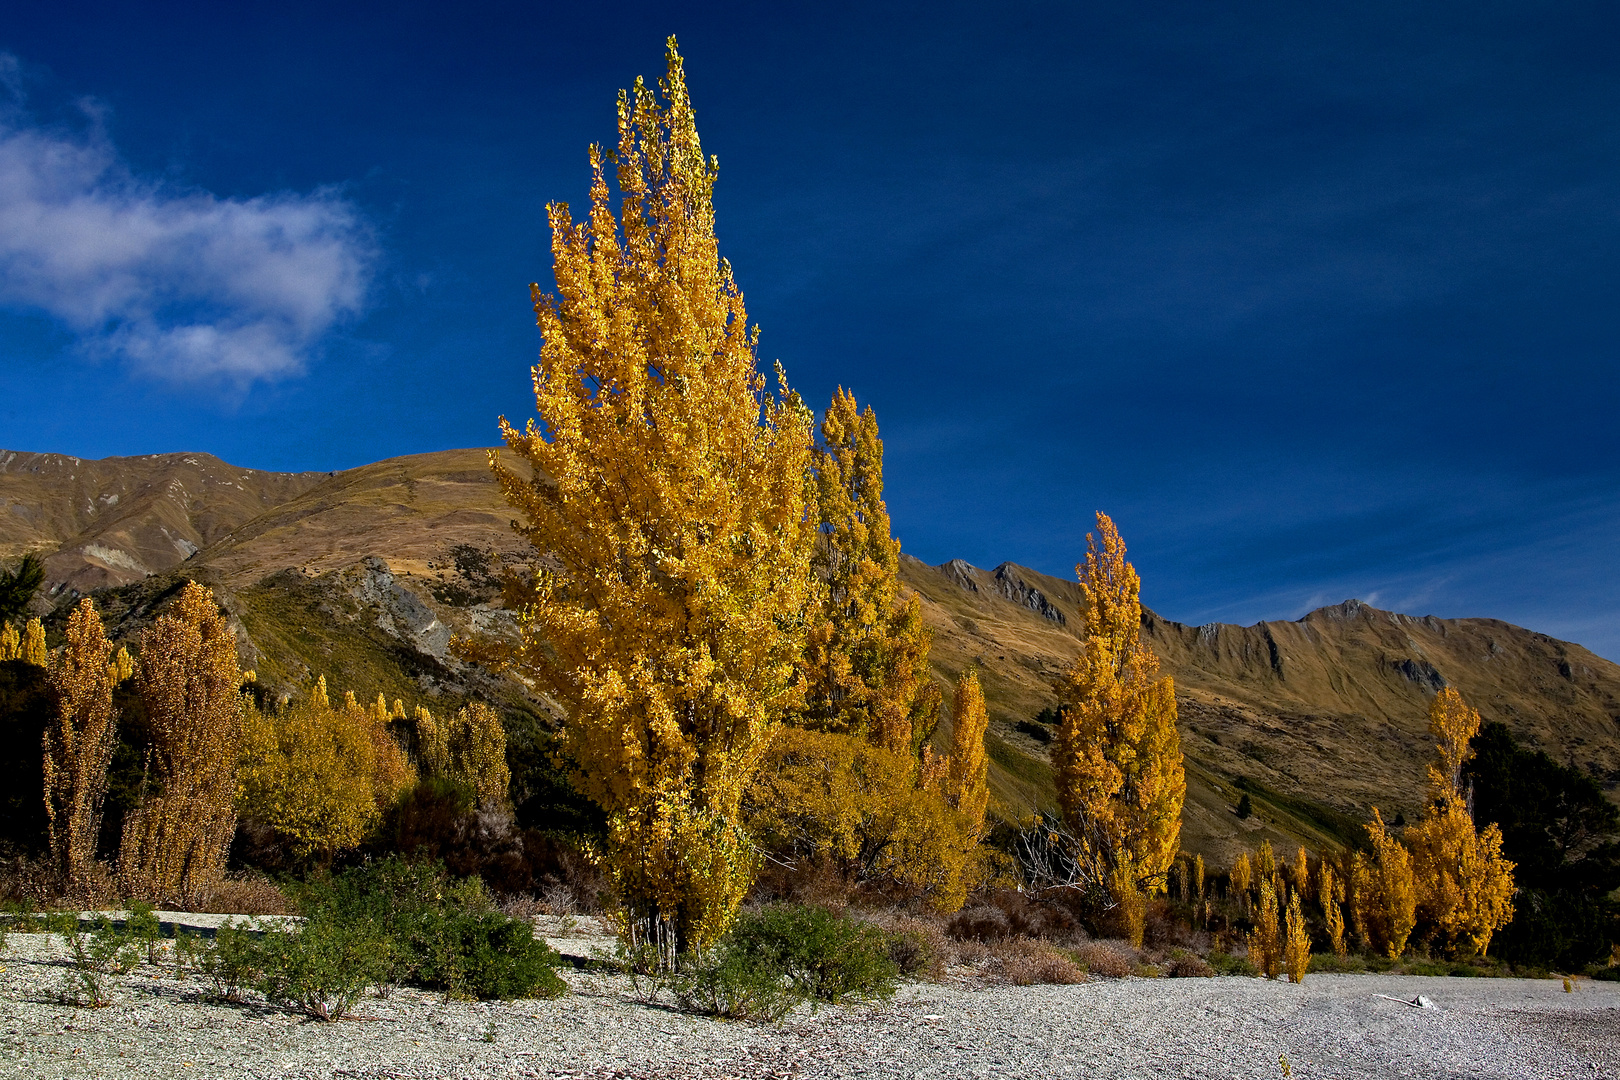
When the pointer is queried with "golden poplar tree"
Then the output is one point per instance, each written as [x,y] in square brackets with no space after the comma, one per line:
[1297,943]
[33,644]
[1330,894]
[1117,756]
[668,497]
[10,643]
[965,776]
[175,842]
[1385,891]
[1242,875]
[1464,884]
[79,745]
[1265,940]
[468,748]
[866,660]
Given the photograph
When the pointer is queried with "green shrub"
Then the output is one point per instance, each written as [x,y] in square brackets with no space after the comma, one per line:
[143,928]
[736,984]
[321,969]
[105,949]
[1331,963]
[1610,973]
[234,961]
[490,956]
[1226,964]
[432,930]
[824,957]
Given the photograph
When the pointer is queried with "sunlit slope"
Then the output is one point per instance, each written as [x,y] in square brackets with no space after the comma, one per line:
[409,511]
[1317,719]
[115,520]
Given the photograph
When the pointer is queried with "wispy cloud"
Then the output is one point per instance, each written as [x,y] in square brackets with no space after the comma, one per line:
[181,284]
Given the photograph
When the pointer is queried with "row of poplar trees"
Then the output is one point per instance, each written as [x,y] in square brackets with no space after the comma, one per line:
[319,775]
[716,607]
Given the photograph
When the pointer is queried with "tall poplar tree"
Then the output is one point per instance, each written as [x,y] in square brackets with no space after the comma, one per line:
[667,495]
[1120,779]
[867,656]
[174,844]
[79,746]
[1464,883]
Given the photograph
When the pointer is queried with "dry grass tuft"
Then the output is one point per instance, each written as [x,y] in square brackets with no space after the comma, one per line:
[1187,966]
[1025,962]
[247,894]
[1110,959]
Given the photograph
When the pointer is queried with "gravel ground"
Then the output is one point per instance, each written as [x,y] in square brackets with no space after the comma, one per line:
[1331,1026]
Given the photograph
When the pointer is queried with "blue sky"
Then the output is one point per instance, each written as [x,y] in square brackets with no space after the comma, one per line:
[1316,300]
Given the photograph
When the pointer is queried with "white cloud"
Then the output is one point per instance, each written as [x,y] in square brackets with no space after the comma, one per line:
[181,284]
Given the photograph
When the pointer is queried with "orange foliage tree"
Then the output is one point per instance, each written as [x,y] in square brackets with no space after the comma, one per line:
[79,746]
[1117,756]
[1464,884]
[175,842]
[668,496]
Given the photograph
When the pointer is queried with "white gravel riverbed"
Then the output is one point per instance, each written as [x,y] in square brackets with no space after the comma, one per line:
[1331,1026]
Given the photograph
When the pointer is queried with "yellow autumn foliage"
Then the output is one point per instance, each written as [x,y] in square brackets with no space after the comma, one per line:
[175,842]
[1242,875]
[79,743]
[33,649]
[468,748]
[667,495]
[1464,884]
[1297,942]
[1265,940]
[823,795]
[320,776]
[1117,756]
[10,643]
[866,655]
[1384,891]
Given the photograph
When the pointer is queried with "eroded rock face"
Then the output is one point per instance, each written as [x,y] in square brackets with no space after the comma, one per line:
[1012,585]
[400,611]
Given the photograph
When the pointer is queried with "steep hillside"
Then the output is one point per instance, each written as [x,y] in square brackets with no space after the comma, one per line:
[1318,719]
[364,575]
[116,520]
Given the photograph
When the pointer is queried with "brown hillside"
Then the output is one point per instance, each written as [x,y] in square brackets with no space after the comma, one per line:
[116,520]
[1330,709]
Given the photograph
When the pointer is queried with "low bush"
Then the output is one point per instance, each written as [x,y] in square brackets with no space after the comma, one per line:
[489,956]
[323,968]
[1101,958]
[824,957]
[736,984]
[436,931]
[918,947]
[1026,962]
[1331,963]
[1227,964]
[234,961]
[1186,965]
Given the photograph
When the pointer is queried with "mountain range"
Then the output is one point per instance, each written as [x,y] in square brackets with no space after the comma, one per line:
[364,575]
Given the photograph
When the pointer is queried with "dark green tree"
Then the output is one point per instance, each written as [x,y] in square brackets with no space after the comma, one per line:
[18,586]
[1564,837]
